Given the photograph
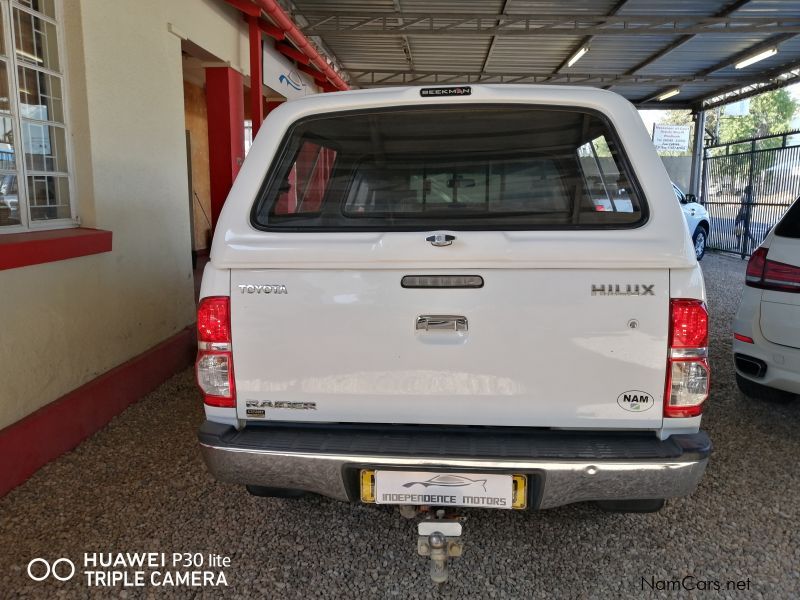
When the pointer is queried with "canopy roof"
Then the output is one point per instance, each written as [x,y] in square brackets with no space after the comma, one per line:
[641,49]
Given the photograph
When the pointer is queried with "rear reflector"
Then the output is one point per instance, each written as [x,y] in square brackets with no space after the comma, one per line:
[742,338]
[688,374]
[771,275]
[214,367]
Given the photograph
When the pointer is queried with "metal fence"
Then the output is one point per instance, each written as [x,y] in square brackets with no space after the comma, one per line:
[747,187]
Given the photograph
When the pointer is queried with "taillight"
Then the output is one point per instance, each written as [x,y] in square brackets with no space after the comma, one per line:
[771,275]
[214,365]
[688,374]
[213,320]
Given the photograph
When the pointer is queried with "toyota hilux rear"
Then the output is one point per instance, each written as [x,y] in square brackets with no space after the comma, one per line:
[461,296]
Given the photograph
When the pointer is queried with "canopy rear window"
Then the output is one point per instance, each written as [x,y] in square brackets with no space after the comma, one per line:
[477,167]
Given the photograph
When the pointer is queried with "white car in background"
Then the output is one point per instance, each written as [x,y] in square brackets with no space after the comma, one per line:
[766,338]
[697,220]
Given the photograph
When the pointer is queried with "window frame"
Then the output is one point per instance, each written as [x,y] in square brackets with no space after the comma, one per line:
[286,143]
[27,224]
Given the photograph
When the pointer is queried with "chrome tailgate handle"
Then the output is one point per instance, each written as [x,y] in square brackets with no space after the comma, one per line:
[453,323]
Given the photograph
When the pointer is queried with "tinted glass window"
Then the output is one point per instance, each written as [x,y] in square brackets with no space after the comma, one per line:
[453,168]
[790,224]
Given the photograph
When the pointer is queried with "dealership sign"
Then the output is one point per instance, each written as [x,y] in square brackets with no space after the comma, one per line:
[281,75]
[671,138]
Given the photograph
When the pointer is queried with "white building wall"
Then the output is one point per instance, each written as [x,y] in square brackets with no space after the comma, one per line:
[65,323]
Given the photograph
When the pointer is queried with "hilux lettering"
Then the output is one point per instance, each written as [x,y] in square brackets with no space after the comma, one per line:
[629,289]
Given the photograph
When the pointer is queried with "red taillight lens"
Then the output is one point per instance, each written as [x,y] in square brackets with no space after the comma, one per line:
[755,266]
[688,374]
[689,324]
[771,275]
[780,276]
[214,320]
[214,367]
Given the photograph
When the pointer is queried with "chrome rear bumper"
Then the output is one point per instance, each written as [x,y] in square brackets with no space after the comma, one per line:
[265,458]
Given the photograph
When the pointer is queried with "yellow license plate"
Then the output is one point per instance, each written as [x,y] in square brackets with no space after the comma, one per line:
[473,490]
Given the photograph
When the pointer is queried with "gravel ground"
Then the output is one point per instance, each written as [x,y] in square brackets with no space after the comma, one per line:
[139,485]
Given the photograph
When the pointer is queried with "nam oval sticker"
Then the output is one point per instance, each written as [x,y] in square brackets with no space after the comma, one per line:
[635,401]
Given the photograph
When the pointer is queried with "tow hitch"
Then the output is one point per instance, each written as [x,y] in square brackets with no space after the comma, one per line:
[439,537]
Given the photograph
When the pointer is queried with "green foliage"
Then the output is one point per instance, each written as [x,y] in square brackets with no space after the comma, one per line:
[770,112]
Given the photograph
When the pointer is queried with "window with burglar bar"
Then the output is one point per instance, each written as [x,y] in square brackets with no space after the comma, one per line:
[34,171]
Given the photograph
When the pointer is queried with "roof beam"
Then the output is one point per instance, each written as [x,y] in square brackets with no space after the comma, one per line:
[588,39]
[468,24]
[368,78]
[732,60]
[772,80]
[680,41]
[489,52]
[404,38]
[761,83]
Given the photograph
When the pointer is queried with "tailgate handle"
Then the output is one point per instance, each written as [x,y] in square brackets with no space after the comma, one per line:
[454,323]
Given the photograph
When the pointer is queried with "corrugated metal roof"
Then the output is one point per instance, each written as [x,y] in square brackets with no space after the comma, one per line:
[464,53]
[702,52]
[386,42]
[700,8]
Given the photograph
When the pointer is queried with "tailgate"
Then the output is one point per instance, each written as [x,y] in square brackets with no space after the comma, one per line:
[562,348]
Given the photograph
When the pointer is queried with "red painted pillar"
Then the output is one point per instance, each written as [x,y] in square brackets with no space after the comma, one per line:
[256,75]
[271,105]
[225,104]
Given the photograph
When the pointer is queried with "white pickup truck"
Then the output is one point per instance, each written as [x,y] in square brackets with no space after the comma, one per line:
[464,296]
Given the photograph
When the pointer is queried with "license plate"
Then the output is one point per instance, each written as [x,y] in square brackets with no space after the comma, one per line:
[477,490]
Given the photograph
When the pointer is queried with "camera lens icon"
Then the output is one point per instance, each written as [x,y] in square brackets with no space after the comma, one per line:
[40,569]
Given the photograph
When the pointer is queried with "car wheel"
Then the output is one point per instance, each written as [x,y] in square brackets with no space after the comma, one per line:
[699,238]
[751,389]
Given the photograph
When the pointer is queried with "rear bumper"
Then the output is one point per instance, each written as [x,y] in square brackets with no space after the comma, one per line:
[781,364]
[564,467]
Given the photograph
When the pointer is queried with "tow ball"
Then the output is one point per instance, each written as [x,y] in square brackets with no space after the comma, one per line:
[439,538]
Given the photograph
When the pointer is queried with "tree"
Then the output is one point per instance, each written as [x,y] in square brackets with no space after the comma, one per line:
[770,113]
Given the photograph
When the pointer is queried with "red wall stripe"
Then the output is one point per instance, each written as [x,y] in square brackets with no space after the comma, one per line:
[36,247]
[46,434]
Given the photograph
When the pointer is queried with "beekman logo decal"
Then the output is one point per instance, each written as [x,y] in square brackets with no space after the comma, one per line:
[635,401]
[463,90]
